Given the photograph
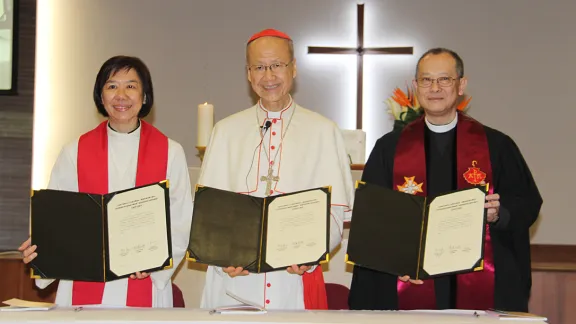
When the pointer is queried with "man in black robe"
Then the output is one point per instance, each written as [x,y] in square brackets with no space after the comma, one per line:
[456,152]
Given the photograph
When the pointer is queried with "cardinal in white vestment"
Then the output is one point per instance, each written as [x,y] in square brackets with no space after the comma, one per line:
[272,148]
[121,153]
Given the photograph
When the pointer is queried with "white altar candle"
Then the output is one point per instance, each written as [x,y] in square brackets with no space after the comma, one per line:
[205,123]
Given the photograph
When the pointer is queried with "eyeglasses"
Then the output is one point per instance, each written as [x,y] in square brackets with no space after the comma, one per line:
[442,81]
[274,68]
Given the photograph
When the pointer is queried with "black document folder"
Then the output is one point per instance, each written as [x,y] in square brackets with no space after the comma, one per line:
[260,234]
[422,237]
[77,239]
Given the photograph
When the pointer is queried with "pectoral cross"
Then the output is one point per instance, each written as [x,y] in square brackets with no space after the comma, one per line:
[269,178]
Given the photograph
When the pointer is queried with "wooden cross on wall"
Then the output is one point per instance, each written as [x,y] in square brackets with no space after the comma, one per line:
[360,50]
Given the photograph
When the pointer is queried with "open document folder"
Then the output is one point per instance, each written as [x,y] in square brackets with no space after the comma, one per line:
[423,237]
[260,234]
[90,237]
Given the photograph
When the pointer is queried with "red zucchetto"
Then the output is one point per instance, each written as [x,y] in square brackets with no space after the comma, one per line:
[269,32]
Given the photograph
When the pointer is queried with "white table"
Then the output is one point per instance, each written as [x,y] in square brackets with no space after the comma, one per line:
[185,315]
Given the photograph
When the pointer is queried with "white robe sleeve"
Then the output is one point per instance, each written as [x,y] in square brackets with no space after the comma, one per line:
[62,177]
[341,213]
[180,211]
[338,214]
[336,226]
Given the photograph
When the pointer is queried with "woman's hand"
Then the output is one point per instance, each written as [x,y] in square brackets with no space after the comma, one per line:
[28,251]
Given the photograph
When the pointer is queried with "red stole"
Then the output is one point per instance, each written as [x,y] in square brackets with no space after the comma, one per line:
[93,178]
[474,290]
[314,289]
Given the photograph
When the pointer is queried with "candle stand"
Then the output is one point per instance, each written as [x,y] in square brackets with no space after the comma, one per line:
[201,150]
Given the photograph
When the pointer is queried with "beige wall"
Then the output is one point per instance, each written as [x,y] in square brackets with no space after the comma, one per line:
[518,54]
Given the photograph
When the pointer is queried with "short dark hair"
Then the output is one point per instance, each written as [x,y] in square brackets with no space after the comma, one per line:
[119,63]
[441,50]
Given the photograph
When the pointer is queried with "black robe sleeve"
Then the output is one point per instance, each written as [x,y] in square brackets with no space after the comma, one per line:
[520,199]
[369,289]
[520,203]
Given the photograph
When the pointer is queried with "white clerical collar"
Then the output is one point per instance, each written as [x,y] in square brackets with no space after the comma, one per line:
[276,114]
[133,134]
[442,128]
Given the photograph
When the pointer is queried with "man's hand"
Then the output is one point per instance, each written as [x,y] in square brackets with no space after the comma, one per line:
[493,206]
[407,278]
[234,272]
[139,275]
[294,269]
[28,251]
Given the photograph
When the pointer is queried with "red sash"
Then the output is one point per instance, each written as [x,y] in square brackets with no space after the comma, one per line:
[93,178]
[474,290]
[314,289]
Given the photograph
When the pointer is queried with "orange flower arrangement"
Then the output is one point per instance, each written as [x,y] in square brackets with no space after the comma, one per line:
[405,108]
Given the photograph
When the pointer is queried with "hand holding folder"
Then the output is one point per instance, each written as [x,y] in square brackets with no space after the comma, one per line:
[293,269]
[91,237]
[417,237]
[245,234]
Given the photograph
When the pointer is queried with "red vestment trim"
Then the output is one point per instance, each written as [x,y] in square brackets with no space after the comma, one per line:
[314,289]
[474,290]
[93,178]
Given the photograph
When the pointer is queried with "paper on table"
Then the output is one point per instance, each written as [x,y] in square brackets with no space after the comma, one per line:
[137,230]
[16,304]
[515,316]
[467,312]
[245,307]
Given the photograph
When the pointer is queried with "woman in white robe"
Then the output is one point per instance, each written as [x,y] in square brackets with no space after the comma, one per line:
[123,93]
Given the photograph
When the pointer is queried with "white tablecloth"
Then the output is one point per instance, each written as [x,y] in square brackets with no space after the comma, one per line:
[184,315]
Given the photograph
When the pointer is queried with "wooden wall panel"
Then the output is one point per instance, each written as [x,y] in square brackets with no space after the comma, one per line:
[569,298]
[10,281]
[16,120]
[15,282]
[554,283]
[554,296]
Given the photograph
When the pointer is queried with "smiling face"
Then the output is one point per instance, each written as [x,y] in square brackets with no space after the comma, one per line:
[122,97]
[273,86]
[440,98]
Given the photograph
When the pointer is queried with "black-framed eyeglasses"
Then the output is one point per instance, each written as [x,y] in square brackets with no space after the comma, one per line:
[441,81]
[274,67]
